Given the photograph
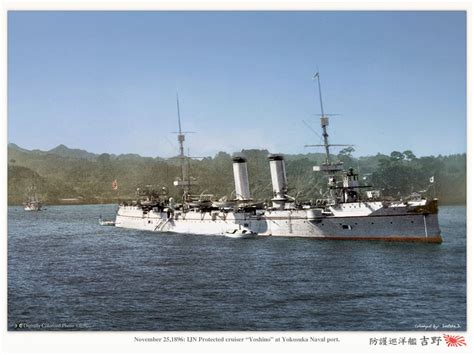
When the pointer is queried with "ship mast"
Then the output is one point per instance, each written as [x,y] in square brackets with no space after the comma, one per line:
[350,184]
[327,167]
[181,143]
[324,121]
[185,181]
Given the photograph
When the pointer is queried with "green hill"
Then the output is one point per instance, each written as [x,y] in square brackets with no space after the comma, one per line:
[64,173]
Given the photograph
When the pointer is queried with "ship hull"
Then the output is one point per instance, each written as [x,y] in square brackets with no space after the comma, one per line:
[32,207]
[397,224]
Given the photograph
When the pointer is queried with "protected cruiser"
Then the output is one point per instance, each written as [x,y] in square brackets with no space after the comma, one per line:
[350,210]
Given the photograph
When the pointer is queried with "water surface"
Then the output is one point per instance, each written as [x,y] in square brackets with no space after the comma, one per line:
[65,271]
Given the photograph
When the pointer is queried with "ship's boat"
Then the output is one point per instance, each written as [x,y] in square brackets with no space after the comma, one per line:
[106,223]
[240,234]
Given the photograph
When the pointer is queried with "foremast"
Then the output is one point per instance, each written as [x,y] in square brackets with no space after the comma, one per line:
[329,168]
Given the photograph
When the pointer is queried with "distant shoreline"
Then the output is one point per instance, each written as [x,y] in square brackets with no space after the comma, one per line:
[451,203]
[81,202]
[69,177]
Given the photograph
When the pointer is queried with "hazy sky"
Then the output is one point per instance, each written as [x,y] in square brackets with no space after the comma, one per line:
[107,81]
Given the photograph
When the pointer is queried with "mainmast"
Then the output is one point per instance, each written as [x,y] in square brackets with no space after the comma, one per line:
[185,181]
[181,138]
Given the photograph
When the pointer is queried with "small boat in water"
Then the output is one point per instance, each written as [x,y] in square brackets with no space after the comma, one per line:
[106,223]
[32,205]
[32,201]
[240,234]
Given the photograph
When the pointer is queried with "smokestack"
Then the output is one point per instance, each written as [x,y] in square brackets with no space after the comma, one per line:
[279,182]
[241,179]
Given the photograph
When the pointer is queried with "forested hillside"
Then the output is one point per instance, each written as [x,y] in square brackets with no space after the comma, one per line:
[64,173]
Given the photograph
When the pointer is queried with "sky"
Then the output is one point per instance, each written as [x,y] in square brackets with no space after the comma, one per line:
[107,81]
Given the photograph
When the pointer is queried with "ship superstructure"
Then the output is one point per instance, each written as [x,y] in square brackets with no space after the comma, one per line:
[349,212]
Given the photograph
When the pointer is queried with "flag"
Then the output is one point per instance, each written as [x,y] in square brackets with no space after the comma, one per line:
[316,76]
[454,340]
[114,185]
[432,179]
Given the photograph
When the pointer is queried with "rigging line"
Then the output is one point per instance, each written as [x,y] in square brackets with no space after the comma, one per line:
[320,94]
[312,129]
[179,116]
[170,143]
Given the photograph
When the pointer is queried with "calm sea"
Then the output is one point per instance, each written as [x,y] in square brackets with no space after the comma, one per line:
[65,272]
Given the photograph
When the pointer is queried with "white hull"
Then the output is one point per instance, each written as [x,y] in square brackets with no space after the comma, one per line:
[361,221]
[32,207]
[240,234]
[107,223]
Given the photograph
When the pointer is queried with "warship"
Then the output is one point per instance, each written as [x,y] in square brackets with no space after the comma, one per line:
[349,211]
